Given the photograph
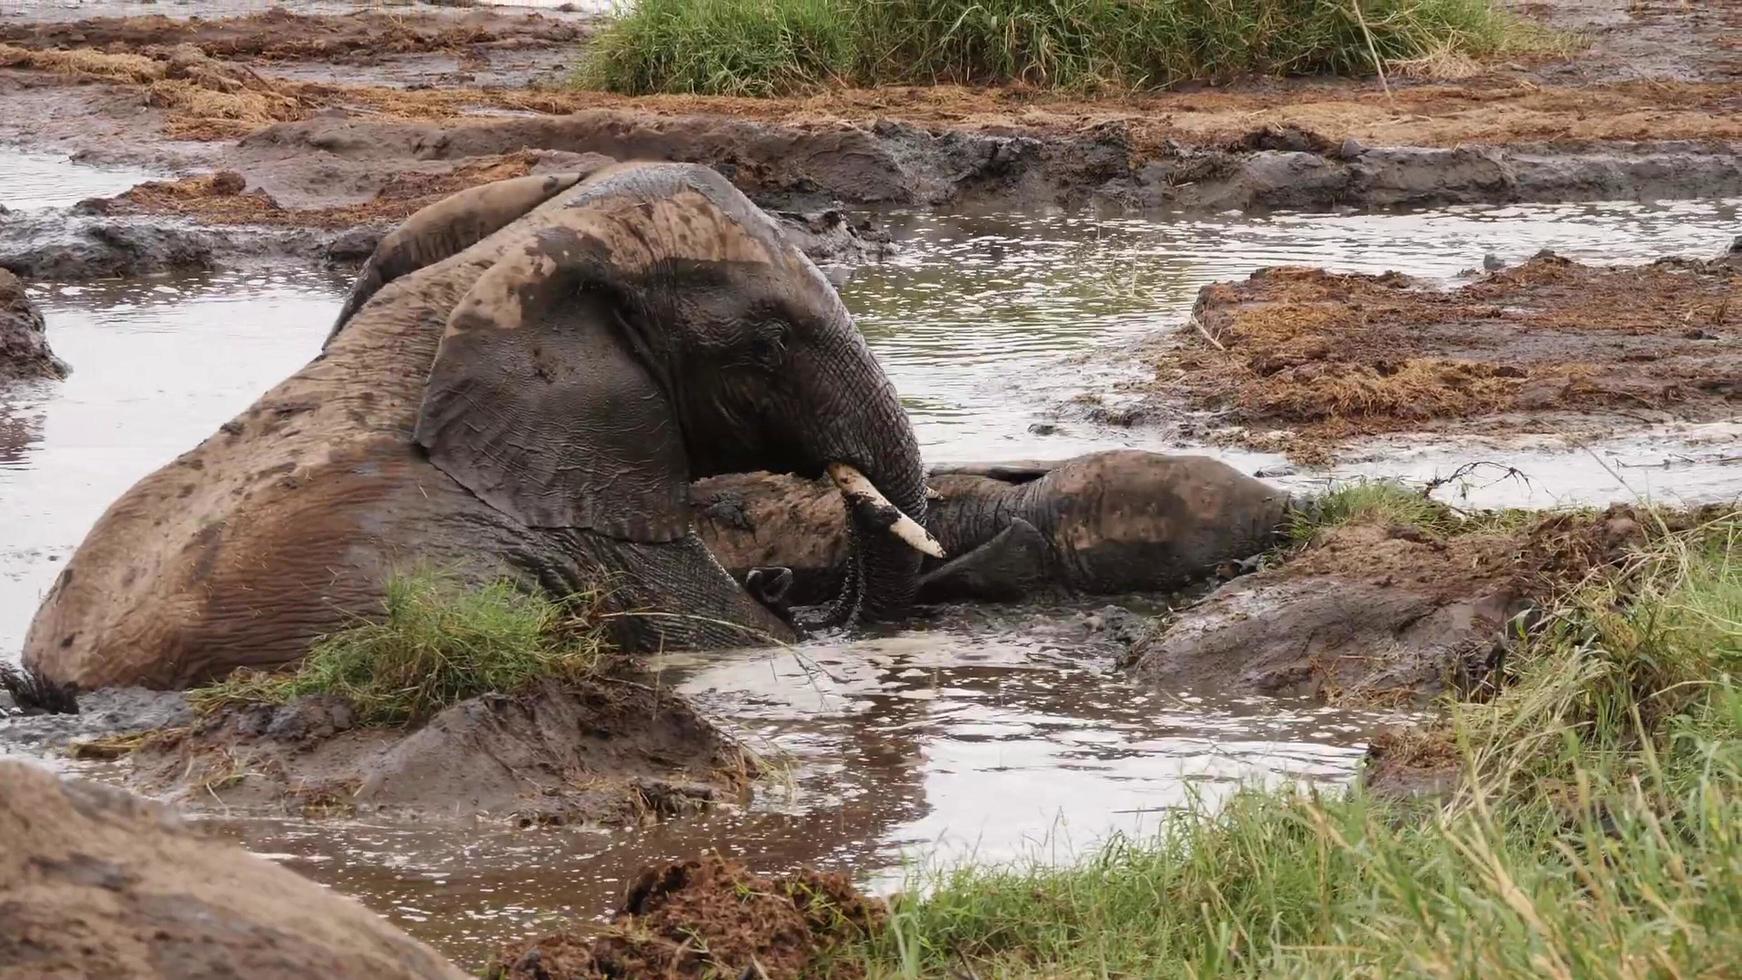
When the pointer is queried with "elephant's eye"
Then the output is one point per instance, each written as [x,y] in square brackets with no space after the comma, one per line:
[769,344]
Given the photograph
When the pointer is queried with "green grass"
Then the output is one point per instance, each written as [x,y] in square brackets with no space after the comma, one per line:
[1596,831]
[438,642]
[771,47]
[1389,503]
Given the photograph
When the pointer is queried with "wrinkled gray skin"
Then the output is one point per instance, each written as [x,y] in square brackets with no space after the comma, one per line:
[538,400]
[1107,522]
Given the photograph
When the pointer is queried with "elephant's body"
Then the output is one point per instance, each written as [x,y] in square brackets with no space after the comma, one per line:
[287,522]
[1106,522]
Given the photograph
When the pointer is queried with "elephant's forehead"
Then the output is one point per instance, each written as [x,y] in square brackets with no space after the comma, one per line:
[685,226]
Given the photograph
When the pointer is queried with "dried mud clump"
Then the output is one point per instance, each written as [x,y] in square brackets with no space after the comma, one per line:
[95,882]
[1334,356]
[712,918]
[205,99]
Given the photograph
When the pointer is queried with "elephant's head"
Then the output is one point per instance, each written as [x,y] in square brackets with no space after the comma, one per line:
[655,327]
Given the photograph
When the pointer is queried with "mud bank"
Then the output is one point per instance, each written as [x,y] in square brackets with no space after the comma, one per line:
[1307,361]
[215,225]
[1387,611]
[331,102]
[24,350]
[95,882]
[611,753]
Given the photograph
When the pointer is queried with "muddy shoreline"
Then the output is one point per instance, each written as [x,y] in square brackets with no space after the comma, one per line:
[299,140]
[248,95]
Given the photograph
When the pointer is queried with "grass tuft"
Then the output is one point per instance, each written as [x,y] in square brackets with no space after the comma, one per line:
[1383,502]
[438,643]
[1595,831]
[771,47]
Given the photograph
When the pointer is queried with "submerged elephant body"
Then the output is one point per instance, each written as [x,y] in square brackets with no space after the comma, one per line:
[1108,522]
[531,392]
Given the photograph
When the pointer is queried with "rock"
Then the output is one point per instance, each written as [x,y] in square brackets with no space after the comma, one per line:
[95,882]
[1367,610]
[607,752]
[63,250]
[24,350]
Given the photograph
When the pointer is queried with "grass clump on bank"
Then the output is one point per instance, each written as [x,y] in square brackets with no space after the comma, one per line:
[1391,503]
[438,643]
[772,47]
[1595,830]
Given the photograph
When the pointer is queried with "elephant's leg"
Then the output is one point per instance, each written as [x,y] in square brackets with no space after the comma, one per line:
[659,596]
[1015,562]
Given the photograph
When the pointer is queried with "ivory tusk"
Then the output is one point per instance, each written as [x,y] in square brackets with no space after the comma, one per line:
[931,494]
[856,487]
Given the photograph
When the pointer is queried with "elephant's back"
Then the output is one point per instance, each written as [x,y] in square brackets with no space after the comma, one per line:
[266,534]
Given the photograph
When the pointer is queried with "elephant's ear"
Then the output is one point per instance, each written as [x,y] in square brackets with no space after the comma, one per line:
[447,228]
[537,404]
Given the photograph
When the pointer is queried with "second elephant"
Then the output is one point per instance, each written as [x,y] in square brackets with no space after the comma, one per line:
[1108,522]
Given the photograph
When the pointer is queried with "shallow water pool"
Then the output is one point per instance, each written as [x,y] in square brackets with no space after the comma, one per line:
[988,733]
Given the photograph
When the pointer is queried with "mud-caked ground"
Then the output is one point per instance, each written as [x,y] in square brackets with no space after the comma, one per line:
[1308,361]
[612,752]
[1380,611]
[319,116]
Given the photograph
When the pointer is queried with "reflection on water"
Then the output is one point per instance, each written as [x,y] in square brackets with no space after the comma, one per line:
[43,180]
[158,365]
[991,734]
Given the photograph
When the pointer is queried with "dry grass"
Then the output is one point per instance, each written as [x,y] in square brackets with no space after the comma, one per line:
[1336,356]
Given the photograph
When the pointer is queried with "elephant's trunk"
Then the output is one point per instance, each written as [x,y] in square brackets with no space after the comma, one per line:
[883,482]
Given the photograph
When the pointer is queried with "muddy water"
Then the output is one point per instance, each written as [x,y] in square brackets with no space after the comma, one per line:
[989,733]
[992,735]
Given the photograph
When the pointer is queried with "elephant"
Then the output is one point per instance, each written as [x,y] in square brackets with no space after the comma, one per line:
[1106,522]
[525,380]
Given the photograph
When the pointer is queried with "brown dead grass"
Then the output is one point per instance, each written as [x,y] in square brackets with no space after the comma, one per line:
[1334,356]
[206,99]
[712,918]
[281,35]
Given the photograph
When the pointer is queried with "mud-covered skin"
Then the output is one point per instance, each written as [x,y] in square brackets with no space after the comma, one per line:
[95,882]
[1105,522]
[458,420]
[24,350]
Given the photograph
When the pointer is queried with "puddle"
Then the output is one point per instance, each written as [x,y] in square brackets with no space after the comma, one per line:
[992,735]
[45,180]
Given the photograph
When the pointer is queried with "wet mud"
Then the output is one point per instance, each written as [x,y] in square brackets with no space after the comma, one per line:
[1307,361]
[96,882]
[24,350]
[1377,613]
[217,222]
[612,753]
[1504,132]
[712,917]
